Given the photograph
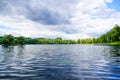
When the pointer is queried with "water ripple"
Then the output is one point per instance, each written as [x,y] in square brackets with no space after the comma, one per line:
[59,62]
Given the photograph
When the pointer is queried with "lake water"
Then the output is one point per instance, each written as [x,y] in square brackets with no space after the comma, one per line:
[60,62]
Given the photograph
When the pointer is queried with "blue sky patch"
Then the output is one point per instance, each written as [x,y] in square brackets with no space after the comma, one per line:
[6,27]
[114,5]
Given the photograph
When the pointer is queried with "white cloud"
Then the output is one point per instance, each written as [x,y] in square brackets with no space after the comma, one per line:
[88,18]
[108,1]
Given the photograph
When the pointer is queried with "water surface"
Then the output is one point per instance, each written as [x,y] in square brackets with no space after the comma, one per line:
[60,62]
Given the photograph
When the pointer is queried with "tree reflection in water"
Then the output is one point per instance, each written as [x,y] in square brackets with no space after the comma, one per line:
[115,53]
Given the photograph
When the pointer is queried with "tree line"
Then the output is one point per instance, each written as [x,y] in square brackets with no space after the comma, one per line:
[111,36]
[11,40]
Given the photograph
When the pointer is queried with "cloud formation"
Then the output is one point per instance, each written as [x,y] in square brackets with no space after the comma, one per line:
[69,19]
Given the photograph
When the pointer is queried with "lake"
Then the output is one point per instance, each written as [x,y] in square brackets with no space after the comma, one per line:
[60,62]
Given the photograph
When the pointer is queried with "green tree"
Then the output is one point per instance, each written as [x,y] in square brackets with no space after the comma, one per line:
[8,39]
[1,40]
[111,36]
[58,40]
[21,40]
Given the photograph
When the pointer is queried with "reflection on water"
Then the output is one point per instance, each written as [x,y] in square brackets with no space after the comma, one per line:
[60,62]
[115,51]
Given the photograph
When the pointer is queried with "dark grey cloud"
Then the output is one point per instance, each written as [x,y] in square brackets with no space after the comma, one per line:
[5,8]
[46,16]
[47,12]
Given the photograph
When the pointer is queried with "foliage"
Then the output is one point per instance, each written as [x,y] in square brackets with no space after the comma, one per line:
[20,40]
[112,36]
[8,39]
[1,40]
[87,41]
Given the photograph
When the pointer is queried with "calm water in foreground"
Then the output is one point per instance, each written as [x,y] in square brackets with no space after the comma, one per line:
[60,62]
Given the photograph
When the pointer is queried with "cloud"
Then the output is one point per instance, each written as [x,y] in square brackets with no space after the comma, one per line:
[69,19]
[45,11]
[48,17]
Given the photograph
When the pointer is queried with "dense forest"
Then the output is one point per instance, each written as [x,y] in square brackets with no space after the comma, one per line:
[112,36]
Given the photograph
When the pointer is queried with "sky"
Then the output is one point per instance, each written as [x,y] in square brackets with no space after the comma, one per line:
[69,19]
